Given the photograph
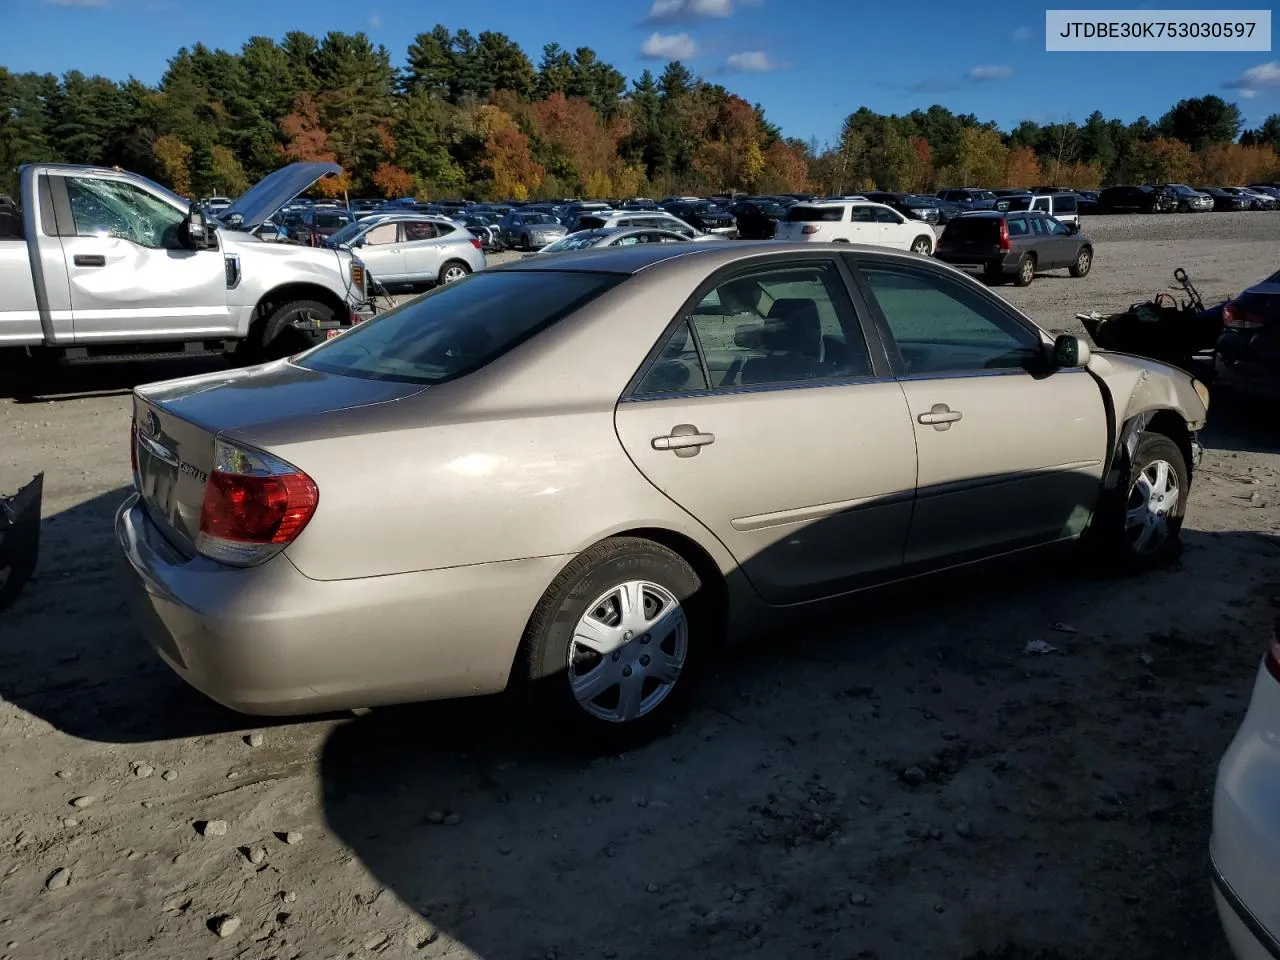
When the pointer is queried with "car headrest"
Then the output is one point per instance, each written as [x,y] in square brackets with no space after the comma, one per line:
[793,325]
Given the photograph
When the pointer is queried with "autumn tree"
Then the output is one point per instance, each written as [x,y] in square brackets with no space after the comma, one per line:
[173,160]
[980,157]
[507,160]
[392,180]
[786,169]
[1164,160]
[1021,168]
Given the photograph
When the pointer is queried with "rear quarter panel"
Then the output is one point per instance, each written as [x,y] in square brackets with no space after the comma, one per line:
[518,460]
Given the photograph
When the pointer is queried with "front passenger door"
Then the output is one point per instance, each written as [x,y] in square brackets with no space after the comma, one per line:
[421,251]
[1010,451]
[381,252]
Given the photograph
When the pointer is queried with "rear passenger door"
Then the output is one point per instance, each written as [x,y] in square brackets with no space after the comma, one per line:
[862,226]
[422,250]
[766,414]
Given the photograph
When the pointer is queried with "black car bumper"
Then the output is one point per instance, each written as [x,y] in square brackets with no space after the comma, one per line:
[1249,362]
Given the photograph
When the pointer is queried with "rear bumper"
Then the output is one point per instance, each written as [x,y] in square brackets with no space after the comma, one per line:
[1235,366]
[1249,939]
[269,640]
[986,265]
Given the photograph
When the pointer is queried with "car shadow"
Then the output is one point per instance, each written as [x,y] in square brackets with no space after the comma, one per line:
[774,814]
[1240,423]
[71,655]
[25,380]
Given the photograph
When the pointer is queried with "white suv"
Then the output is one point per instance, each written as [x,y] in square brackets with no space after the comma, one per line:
[856,222]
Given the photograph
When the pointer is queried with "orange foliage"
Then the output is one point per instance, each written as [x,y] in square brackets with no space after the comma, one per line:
[173,156]
[308,140]
[1021,168]
[393,181]
[786,170]
[1165,159]
[507,159]
[1229,164]
[730,155]
[1080,176]
[571,127]
[923,172]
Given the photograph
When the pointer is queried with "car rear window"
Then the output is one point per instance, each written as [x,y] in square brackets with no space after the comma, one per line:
[458,327]
[333,218]
[815,214]
[972,228]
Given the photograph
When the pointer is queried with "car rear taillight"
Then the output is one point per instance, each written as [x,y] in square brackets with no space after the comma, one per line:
[477,244]
[1005,244]
[1273,653]
[1238,318]
[254,506]
[811,229]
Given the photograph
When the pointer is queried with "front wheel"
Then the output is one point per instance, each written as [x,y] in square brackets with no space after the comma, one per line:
[922,245]
[453,270]
[1026,271]
[614,647]
[1138,525]
[1082,263]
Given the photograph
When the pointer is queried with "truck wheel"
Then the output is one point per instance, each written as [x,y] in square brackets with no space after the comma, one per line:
[276,336]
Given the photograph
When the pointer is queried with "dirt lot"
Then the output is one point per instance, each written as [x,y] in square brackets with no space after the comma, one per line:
[894,778]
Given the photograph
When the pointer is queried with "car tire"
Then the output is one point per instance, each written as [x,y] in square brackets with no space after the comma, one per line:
[1026,271]
[450,271]
[558,669]
[922,245]
[276,337]
[525,242]
[1083,263]
[1129,543]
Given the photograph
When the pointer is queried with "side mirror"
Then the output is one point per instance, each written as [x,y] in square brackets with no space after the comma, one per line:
[197,229]
[1070,352]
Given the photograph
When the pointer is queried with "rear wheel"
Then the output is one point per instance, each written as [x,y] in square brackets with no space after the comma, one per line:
[1026,271]
[453,270]
[1082,263]
[614,647]
[922,245]
[1138,525]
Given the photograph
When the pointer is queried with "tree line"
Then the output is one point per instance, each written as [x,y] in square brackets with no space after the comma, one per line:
[472,115]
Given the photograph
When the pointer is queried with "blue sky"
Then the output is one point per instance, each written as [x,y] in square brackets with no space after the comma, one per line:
[810,62]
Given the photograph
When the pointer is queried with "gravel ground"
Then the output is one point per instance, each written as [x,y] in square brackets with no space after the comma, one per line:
[891,778]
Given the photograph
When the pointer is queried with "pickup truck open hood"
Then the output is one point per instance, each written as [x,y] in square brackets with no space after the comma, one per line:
[261,201]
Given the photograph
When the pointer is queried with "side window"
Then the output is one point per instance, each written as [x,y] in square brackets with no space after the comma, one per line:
[885,216]
[1038,226]
[676,369]
[1018,227]
[1066,205]
[1040,203]
[382,234]
[419,230]
[444,229]
[117,209]
[785,323]
[941,326]
[1057,228]
[862,214]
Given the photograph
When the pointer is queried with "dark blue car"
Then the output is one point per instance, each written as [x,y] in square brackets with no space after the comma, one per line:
[1248,354]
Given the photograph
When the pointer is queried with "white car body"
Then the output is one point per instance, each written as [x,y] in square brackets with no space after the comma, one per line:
[1244,850]
[853,221]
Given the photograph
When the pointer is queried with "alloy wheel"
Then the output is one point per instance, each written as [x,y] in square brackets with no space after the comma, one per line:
[920,246]
[454,273]
[628,651]
[1153,499]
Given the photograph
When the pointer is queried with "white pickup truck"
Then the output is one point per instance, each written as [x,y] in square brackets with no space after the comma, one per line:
[99,264]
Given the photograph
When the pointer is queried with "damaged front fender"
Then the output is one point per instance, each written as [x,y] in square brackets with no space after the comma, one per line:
[19,538]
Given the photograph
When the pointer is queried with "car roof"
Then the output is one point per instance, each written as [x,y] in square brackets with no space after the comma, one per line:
[634,259]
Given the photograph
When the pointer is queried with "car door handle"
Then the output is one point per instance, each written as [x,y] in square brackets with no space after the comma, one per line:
[89,260]
[685,440]
[940,417]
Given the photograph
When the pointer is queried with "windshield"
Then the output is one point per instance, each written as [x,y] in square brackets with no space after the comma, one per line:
[708,208]
[349,232]
[331,218]
[458,327]
[575,241]
[917,203]
[538,218]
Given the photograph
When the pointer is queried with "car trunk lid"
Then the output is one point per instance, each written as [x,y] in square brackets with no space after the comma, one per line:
[176,425]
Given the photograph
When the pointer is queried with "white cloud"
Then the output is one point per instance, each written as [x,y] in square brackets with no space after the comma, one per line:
[671,11]
[375,21]
[78,4]
[1023,33]
[669,46]
[991,72]
[1253,80]
[751,61]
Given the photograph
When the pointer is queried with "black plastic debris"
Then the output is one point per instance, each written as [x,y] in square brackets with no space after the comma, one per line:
[19,538]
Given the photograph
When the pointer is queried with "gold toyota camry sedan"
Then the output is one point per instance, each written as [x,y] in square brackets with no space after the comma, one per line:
[582,474]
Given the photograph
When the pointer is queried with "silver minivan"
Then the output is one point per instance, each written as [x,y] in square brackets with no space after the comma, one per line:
[412,248]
